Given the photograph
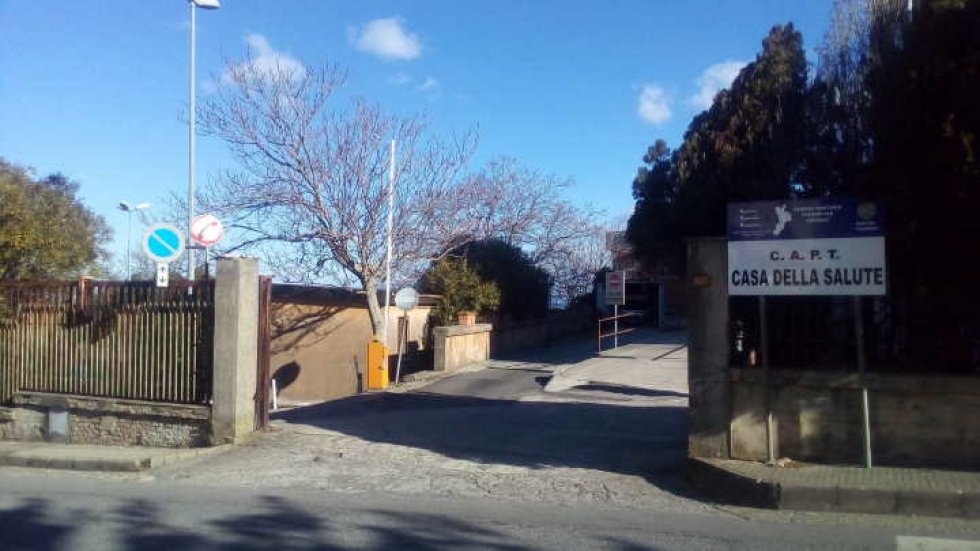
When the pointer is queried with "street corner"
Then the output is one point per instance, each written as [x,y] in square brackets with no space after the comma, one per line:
[560,382]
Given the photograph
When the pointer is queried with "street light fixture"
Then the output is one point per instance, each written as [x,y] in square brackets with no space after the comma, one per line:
[207,5]
[129,209]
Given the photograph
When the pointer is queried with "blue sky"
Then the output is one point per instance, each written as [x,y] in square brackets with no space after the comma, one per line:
[96,89]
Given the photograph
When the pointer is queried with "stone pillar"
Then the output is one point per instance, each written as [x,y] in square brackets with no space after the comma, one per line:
[236,313]
[708,347]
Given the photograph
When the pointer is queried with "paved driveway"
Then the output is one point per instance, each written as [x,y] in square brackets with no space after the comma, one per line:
[493,431]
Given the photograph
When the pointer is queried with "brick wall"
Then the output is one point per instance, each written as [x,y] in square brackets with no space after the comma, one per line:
[511,336]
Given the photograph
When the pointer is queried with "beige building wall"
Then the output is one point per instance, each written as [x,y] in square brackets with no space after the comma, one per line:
[318,351]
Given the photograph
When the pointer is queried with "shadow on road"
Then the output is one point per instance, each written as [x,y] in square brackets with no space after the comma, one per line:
[28,526]
[625,439]
[35,524]
[585,346]
[629,390]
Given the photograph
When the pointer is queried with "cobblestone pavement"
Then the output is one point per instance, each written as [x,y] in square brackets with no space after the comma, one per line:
[490,432]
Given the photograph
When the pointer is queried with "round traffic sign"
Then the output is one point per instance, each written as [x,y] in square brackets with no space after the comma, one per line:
[163,242]
[207,230]
[407,298]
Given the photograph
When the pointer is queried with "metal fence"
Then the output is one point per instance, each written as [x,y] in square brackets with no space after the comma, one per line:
[819,333]
[127,340]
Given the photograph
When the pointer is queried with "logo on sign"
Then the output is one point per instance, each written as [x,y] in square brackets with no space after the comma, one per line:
[867,211]
[163,243]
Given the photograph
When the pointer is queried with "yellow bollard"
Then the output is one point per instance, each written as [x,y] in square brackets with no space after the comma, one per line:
[377,366]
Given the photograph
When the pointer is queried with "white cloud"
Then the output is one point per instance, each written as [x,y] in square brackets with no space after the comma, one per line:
[387,39]
[401,79]
[653,105]
[265,61]
[428,85]
[713,79]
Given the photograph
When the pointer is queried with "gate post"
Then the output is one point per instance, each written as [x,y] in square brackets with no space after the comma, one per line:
[708,348]
[236,313]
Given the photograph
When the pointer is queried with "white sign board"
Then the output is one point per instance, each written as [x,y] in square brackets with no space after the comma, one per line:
[615,288]
[163,274]
[206,230]
[406,298]
[806,247]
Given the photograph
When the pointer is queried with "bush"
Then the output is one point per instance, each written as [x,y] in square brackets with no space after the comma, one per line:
[461,288]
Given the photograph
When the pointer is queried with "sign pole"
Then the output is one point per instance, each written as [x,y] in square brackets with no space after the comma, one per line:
[615,326]
[402,338]
[406,299]
[767,383]
[862,375]
[391,218]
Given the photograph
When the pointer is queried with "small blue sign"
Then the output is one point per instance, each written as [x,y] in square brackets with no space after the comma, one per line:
[163,242]
[804,219]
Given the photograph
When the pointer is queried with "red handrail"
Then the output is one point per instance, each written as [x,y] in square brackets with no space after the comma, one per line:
[616,332]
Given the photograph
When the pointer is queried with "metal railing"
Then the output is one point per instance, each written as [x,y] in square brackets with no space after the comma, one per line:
[617,331]
[127,340]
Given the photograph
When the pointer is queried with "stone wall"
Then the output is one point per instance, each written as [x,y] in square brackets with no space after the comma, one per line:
[916,420]
[106,421]
[459,345]
[511,336]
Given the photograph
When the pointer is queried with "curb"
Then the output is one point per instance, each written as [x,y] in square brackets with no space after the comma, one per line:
[732,488]
[186,454]
[142,462]
[77,463]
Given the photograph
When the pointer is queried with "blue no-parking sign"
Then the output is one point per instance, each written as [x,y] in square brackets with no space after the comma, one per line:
[163,242]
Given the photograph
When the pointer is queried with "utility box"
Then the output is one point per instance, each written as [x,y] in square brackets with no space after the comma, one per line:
[57,425]
[377,366]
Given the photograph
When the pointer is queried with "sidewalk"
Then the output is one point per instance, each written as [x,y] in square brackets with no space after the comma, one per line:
[94,458]
[657,366]
[844,489]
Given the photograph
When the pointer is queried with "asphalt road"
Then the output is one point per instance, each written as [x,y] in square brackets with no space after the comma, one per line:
[41,513]
[484,459]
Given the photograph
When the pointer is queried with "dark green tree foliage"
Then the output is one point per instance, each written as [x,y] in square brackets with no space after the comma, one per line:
[839,140]
[45,230]
[749,145]
[892,115]
[653,230]
[461,288]
[923,79]
[524,287]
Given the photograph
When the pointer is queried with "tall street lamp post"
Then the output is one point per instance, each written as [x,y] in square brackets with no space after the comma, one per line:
[129,210]
[208,5]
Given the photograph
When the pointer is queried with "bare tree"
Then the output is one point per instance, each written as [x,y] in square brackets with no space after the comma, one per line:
[311,193]
[527,209]
[573,266]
